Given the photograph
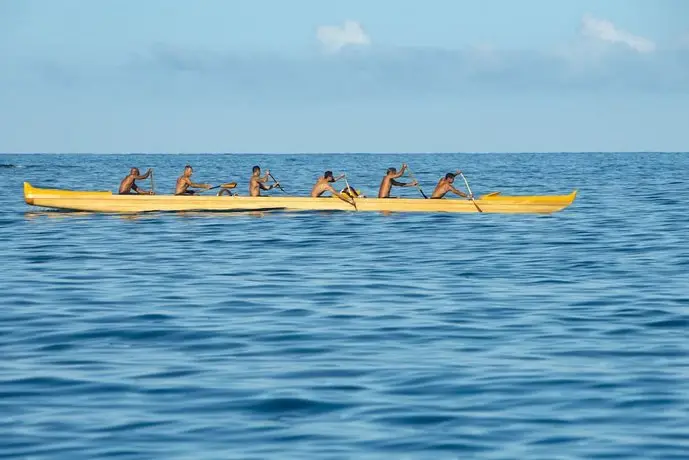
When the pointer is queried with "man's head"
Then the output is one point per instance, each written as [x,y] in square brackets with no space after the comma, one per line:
[391,171]
[450,177]
[329,175]
[188,170]
[256,170]
[134,172]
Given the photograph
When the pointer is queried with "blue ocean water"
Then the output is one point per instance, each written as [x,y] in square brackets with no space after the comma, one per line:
[349,335]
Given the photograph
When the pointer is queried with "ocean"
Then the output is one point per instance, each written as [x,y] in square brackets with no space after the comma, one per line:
[347,335]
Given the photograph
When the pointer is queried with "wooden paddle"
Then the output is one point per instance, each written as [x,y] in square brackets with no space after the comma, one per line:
[227,185]
[471,194]
[276,181]
[411,175]
[153,184]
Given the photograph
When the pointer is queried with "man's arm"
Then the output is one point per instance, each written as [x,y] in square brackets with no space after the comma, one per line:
[206,186]
[145,176]
[401,172]
[345,198]
[266,187]
[458,192]
[404,184]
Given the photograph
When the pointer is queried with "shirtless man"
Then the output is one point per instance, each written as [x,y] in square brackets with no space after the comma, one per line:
[129,183]
[389,180]
[445,185]
[258,183]
[323,185]
[184,182]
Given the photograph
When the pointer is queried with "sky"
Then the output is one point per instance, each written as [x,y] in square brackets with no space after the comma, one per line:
[174,76]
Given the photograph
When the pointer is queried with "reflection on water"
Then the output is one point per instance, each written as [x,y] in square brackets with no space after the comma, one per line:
[55,214]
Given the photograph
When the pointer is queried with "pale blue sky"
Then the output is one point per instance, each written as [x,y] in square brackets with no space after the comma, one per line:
[407,75]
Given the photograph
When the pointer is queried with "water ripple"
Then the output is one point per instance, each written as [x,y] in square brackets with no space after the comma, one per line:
[343,335]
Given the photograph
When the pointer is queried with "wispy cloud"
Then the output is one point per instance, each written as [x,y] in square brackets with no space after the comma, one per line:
[604,30]
[335,38]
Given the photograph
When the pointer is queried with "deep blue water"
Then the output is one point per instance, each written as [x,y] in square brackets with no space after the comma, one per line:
[349,335]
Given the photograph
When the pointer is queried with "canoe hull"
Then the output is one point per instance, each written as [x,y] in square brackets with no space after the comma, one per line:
[107,202]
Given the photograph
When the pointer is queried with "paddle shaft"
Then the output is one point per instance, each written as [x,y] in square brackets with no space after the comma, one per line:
[411,175]
[353,202]
[153,184]
[276,181]
[471,194]
[213,188]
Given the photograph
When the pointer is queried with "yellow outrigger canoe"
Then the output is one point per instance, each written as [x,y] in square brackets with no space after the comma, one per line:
[107,202]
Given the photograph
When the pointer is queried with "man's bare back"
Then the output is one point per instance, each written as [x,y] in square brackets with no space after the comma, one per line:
[129,183]
[323,185]
[445,186]
[389,180]
[184,183]
[257,183]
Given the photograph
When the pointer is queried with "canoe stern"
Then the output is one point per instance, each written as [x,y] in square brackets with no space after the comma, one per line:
[28,193]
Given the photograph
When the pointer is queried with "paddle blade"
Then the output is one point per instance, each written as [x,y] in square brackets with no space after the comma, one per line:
[488,195]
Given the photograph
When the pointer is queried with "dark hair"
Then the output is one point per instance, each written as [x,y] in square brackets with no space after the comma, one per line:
[188,167]
[450,176]
[328,174]
[392,170]
[255,169]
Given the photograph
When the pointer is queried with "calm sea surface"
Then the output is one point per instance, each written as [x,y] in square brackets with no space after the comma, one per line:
[349,335]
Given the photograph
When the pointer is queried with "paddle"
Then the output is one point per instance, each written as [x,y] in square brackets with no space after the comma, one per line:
[471,194]
[353,202]
[153,184]
[227,185]
[411,175]
[276,181]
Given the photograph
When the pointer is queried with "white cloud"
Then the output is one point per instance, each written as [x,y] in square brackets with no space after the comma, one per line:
[335,38]
[602,29]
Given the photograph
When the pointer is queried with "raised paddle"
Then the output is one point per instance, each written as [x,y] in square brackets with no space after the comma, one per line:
[276,181]
[471,194]
[411,174]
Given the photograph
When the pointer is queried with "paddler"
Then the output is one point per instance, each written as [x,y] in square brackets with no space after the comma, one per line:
[258,183]
[128,184]
[389,180]
[323,185]
[184,183]
[445,185]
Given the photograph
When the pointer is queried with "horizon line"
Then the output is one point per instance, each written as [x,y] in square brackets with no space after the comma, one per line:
[543,152]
